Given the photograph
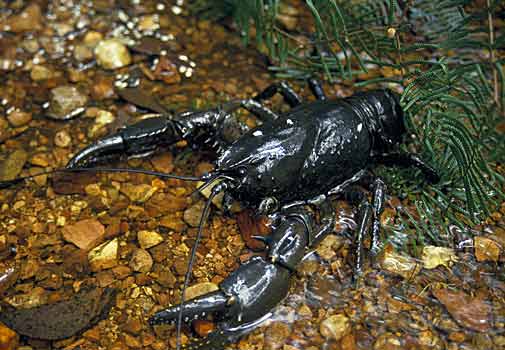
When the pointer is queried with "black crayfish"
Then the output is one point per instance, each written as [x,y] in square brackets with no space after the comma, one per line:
[291,161]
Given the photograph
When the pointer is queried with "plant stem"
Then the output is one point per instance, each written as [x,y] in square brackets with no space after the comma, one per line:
[492,53]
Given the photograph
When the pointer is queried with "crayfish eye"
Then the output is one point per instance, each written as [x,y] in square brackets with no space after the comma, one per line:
[242,171]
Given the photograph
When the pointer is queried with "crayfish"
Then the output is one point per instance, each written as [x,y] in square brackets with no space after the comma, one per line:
[291,162]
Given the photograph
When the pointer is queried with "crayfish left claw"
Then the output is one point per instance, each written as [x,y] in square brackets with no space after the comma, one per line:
[140,138]
[97,150]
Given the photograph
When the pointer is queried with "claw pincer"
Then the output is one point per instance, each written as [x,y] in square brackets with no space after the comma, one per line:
[251,291]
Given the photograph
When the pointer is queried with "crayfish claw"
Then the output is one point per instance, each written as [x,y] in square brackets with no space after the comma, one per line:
[193,309]
[141,138]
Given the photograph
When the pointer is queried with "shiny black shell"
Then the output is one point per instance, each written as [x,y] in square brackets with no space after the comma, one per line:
[304,153]
[258,287]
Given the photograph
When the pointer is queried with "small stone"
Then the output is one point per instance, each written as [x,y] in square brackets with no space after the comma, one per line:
[163,162]
[132,342]
[39,73]
[199,289]
[19,118]
[335,326]
[104,256]
[167,279]
[8,338]
[328,247]
[66,102]
[85,234]
[166,71]
[104,117]
[92,38]
[149,239]
[276,335]
[121,272]
[30,19]
[399,264]
[42,159]
[12,166]
[486,249]
[148,23]
[103,88]
[112,54]
[133,326]
[192,214]
[436,256]
[138,193]
[62,139]
[141,261]
[203,327]
[387,341]
[83,53]
[305,311]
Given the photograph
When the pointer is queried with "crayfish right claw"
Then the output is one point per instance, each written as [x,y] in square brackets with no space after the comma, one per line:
[196,308]
[140,138]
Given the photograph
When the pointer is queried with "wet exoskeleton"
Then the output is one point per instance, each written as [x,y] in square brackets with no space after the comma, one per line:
[291,161]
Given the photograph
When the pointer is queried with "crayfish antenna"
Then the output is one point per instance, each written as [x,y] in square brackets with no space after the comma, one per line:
[220,187]
[9,183]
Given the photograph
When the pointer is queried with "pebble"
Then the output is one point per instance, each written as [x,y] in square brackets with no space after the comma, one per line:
[148,23]
[163,162]
[19,118]
[276,335]
[85,234]
[66,102]
[104,256]
[62,139]
[192,214]
[92,38]
[166,71]
[399,264]
[12,166]
[335,326]
[329,246]
[39,73]
[486,249]
[112,54]
[149,239]
[8,338]
[199,289]
[167,279]
[42,159]
[141,261]
[133,326]
[438,256]
[104,117]
[30,19]
[83,53]
[138,193]
[203,327]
